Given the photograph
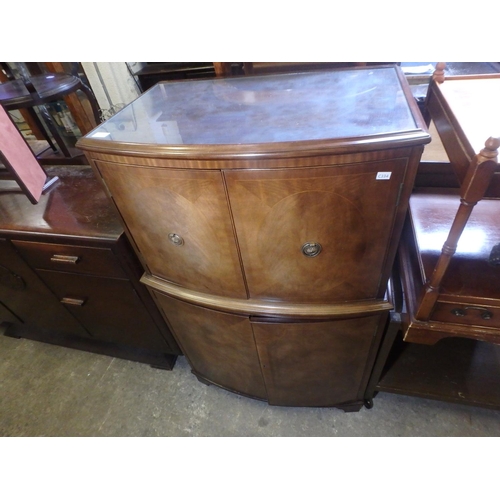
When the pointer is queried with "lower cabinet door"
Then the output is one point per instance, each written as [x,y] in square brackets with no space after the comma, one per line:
[219,347]
[316,364]
[323,363]
[108,308]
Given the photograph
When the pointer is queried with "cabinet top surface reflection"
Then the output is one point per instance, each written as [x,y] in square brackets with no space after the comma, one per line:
[76,205]
[324,105]
[475,102]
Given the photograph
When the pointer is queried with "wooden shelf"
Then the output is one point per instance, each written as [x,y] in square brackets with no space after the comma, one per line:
[455,370]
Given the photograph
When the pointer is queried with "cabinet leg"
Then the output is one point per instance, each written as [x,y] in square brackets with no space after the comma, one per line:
[169,364]
[351,407]
[10,331]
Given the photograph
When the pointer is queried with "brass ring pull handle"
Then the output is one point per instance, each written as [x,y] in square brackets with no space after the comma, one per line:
[175,239]
[311,249]
[485,314]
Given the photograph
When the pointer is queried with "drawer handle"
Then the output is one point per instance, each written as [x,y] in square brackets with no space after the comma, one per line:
[311,249]
[69,301]
[485,314]
[65,259]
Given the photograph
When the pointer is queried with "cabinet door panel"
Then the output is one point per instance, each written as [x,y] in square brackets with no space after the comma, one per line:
[108,308]
[156,203]
[220,347]
[315,364]
[349,210]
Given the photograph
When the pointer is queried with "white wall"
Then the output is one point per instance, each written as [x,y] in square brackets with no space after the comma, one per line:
[112,83]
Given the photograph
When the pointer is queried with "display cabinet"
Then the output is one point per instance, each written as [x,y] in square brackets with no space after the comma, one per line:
[266,212]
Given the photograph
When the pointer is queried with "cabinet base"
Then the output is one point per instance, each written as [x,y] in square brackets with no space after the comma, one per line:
[352,406]
[164,361]
[206,381]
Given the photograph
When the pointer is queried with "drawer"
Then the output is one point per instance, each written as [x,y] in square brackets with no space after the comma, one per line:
[467,314]
[109,309]
[78,259]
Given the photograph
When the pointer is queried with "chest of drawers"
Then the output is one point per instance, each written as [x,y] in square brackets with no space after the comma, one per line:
[70,277]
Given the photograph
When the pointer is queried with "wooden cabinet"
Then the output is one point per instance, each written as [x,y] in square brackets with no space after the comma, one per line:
[266,213]
[70,277]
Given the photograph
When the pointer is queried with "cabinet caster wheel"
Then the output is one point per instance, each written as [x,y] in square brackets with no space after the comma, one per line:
[368,404]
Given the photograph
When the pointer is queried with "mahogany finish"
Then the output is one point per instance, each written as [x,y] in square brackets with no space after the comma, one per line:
[189,204]
[69,276]
[473,189]
[442,341]
[318,364]
[266,213]
[220,346]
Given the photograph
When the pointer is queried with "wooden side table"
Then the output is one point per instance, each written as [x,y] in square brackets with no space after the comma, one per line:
[452,351]
[39,91]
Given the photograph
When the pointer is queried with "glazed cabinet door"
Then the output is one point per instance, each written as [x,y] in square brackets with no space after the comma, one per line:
[180,222]
[317,234]
[220,347]
[315,364]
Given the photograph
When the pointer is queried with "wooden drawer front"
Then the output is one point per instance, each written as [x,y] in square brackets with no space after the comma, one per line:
[98,261]
[26,297]
[108,308]
[467,314]
[281,214]
[315,364]
[220,347]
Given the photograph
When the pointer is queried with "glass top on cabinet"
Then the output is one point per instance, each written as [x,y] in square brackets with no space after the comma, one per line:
[264,109]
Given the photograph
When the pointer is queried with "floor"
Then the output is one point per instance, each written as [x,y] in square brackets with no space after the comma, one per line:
[48,390]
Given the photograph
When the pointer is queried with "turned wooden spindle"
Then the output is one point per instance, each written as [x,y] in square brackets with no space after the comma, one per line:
[438,75]
[473,188]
